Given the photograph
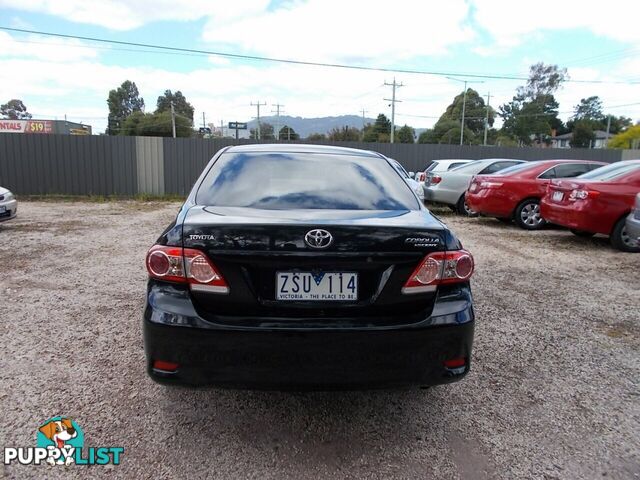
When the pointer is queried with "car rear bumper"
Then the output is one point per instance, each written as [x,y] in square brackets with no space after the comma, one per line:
[633,226]
[306,358]
[437,195]
[10,210]
[491,203]
[573,216]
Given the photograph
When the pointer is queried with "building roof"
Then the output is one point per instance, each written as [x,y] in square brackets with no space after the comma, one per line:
[600,134]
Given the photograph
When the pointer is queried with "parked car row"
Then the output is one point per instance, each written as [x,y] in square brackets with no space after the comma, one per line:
[585,196]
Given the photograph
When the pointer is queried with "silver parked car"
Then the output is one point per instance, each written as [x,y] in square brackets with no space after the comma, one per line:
[633,221]
[438,166]
[449,187]
[414,184]
[8,205]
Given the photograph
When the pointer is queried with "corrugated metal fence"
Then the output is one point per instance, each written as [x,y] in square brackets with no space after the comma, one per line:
[101,165]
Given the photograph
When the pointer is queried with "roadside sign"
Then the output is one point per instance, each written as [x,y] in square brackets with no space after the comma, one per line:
[237,126]
[26,126]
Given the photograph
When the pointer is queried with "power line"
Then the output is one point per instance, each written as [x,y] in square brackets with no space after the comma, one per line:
[298,62]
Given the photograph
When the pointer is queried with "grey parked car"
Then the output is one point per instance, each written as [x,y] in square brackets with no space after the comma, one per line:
[8,205]
[633,221]
[449,187]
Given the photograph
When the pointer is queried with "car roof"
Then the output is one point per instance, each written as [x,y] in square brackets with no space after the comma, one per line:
[300,148]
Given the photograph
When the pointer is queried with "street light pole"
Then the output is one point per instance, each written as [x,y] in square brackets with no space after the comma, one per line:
[464,104]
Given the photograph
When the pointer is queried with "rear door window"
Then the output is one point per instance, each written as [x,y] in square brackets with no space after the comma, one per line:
[497,166]
[609,172]
[569,170]
[283,181]
[456,164]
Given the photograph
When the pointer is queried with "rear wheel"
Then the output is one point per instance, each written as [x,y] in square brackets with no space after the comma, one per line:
[582,233]
[528,215]
[463,209]
[621,239]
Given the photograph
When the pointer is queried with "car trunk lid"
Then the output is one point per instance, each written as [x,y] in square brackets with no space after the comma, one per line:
[250,246]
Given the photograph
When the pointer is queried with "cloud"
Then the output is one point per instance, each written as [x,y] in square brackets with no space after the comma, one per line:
[349,31]
[512,23]
[43,48]
[120,14]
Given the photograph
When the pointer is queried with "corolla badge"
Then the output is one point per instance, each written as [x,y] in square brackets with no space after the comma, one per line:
[422,241]
[318,238]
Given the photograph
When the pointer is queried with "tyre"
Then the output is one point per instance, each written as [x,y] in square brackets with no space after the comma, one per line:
[621,240]
[463,209]
[582,233]
[528,215]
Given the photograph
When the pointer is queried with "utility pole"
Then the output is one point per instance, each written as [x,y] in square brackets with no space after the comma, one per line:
[393,104]
[363,112]
[258,105]
[204,123]
[464,104]
[277,112]
[221,128]
[486,120]
[606,140]
[173,120]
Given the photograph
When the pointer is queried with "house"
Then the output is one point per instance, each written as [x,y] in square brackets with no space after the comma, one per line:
[564,141]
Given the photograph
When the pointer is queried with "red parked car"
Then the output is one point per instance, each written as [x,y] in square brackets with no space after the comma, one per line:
[514,193]
[596,202]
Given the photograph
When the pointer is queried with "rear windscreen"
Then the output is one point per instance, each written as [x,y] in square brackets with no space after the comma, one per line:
[609,172]
[281,181]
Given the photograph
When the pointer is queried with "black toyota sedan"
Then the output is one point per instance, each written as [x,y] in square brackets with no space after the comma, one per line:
[306,267]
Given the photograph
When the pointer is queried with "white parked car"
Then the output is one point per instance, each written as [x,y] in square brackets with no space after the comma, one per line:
[414,184]
[8,205]
[449,187]
[438,166]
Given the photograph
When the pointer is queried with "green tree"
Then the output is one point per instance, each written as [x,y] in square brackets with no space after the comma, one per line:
[583,135]
[266,132]
[180,104]
[344,134]
[288,133]
[445,129]
[618,124]
[14,109]
[406,134]
[379,131]
[122,102]
[589,109]
[157,124]
[630,138]
[533,112]
[316,137]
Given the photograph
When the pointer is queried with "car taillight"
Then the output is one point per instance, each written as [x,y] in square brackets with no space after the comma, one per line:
[491,184]
[421,176]
[580,194]
[436,179]
[185,265]
[440,268]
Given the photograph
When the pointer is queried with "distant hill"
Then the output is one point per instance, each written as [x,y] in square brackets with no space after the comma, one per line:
[306,126]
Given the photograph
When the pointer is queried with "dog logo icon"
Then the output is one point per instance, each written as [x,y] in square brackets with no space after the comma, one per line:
[63,435]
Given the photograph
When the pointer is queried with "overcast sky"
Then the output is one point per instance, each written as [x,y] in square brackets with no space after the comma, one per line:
[54,77]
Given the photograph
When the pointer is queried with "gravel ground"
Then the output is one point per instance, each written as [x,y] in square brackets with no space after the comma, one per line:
[553,392]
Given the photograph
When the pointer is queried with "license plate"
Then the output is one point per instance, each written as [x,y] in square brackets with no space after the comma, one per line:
[317,286]
[473,187]
[557,196]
